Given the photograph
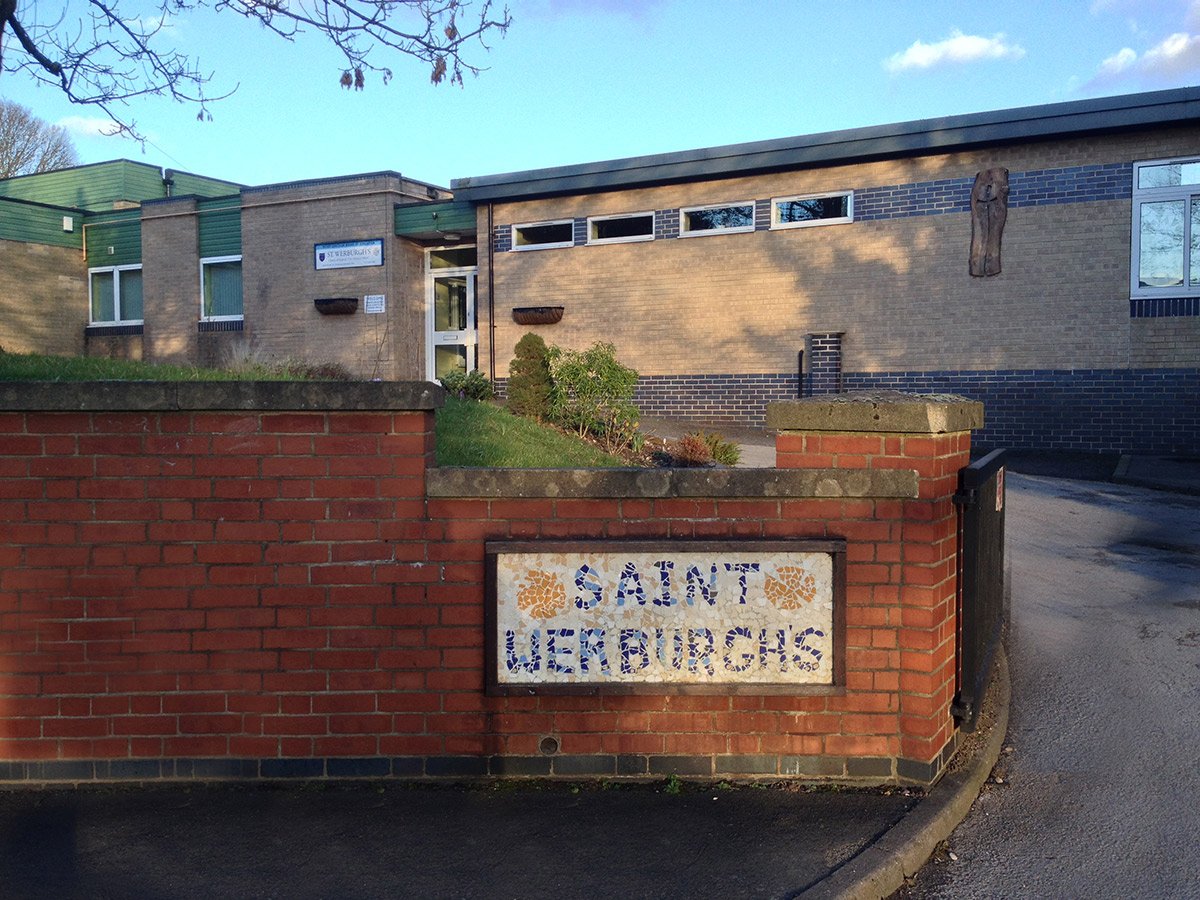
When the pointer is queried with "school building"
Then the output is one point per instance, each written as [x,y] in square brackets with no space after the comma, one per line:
[1036,259]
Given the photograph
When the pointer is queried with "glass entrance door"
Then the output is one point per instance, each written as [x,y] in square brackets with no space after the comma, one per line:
[451,316]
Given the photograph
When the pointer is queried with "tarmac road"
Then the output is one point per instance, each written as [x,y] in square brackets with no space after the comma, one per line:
[1100,794]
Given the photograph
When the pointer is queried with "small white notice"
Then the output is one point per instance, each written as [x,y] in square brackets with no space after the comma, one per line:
[375,303]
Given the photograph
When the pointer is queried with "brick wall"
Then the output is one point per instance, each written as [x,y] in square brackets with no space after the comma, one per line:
[895,281]
[824,374]
[274,588]
[281,225]
[906,591]
[713,324]
[1153,411]
[43,298]
[171,282]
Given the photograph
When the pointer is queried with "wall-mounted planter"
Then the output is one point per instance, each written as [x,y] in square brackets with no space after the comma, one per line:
[537,315]
[336,306]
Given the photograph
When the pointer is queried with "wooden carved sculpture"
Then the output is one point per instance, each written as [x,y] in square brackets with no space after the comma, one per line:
[989,209]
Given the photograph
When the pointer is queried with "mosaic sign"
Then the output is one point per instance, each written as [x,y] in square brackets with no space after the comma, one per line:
[348,254]
[718,615]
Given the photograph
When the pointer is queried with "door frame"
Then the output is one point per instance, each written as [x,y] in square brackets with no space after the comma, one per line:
[468,336]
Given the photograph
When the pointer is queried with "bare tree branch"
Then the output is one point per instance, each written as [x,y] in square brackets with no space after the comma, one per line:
[105,56]
[29,145]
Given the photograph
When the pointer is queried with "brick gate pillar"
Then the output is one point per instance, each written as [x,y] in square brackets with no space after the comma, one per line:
[915,593]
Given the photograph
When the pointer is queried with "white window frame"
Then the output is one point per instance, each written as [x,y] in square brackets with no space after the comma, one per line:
[1189,194]
[98,270]
[209,260]
[684,231]
[548,246]
[777,225]
[592,239]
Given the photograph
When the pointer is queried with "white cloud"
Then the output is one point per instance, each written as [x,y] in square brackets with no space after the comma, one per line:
[959,49]
[1118,62]
[1178,55]
[87,126]
[1175,58]
[1192,19]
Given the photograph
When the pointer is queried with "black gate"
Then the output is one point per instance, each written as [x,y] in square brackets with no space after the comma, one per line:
[981,501]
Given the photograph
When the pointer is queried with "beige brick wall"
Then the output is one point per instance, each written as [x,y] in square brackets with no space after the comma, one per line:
[114,346]
[43,299]
[279,231]
[898,288]
[170,282]
[1166,343]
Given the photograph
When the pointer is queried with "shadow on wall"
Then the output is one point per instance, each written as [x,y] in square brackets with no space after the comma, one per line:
[43,300]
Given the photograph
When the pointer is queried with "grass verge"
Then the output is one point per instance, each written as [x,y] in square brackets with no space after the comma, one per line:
[479,434]
[36,367]
[468,433]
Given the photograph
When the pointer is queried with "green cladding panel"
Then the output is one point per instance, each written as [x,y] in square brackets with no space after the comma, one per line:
[114,239]
[93,187]
[32,223]
[185,184]
[429,221]
[103,186]
[220,226]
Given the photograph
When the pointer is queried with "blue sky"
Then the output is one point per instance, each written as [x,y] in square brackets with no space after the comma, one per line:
[582,80]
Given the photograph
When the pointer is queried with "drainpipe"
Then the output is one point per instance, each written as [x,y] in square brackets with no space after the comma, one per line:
[491,289]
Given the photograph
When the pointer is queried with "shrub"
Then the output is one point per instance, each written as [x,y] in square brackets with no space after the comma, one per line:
[529,378]
[691,450]
[727,453]
[592,393]
[468,385]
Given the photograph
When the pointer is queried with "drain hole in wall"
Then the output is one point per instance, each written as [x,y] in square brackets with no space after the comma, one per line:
[548,746]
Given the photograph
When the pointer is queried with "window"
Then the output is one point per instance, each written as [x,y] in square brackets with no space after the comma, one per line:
[452,258]
[544,235]
[221,288]
[723,218]
[1166,229]
[115,295]
[812,209]
[621,229]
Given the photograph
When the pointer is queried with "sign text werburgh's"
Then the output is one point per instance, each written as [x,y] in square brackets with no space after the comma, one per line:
[636,614]
[348,254]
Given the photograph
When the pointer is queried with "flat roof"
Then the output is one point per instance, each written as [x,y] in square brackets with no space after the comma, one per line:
[1055,120]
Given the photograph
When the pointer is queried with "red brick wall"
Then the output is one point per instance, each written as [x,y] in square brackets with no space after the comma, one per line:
[208,584]
[275,586]
[917,598]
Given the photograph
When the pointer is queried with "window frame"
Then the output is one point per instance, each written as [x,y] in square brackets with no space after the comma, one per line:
[211,260]
[1190,195]
[115,272]
[633,239]
[777,225]
[552,245]
[684,231]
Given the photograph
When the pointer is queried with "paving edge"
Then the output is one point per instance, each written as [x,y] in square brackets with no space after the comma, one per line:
[881,869]
[1121,476]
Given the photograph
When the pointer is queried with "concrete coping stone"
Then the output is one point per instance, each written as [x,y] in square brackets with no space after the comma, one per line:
[664,483]
[176,396]
[894,412]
